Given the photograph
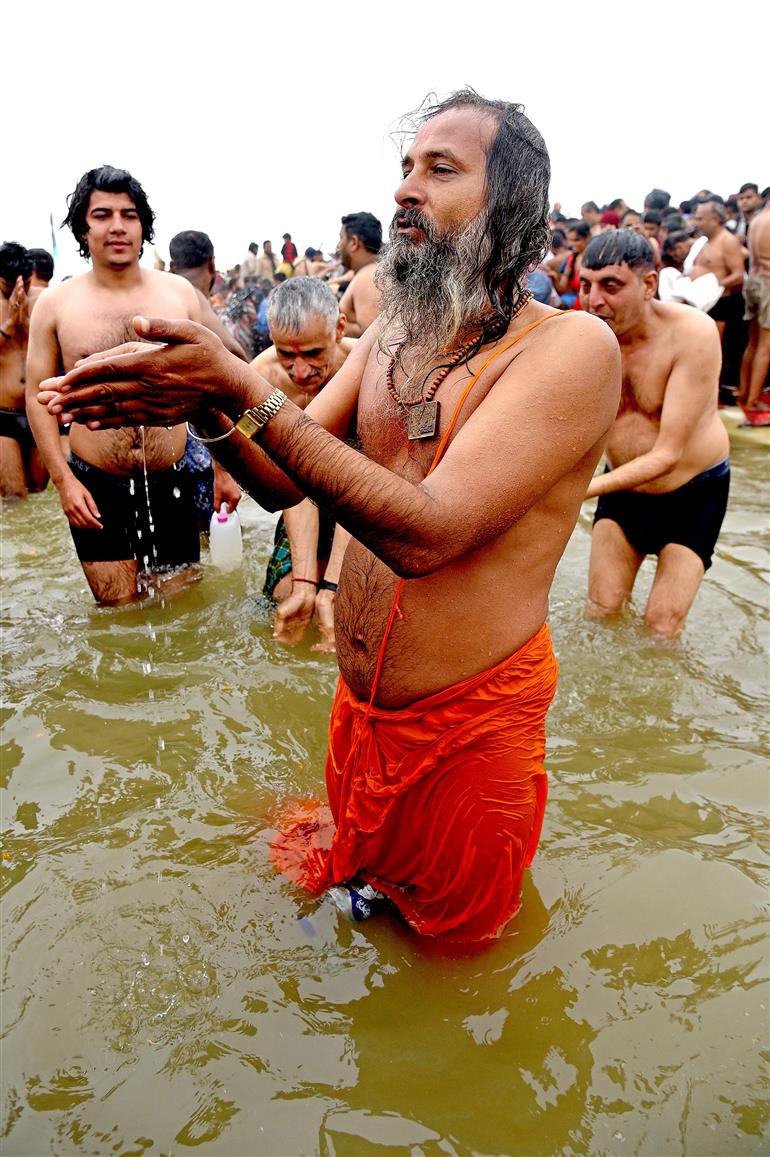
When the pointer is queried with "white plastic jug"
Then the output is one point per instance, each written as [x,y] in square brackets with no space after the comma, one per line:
[225,542]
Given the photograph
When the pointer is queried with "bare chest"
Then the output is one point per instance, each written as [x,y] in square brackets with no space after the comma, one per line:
[711,258]
[391,417]
[643,385]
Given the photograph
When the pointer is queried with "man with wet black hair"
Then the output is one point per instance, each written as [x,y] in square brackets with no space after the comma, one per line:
[657,199]
[359,247]
[128,502]
[42,267]
[664,489]
[476,418]
[21,467]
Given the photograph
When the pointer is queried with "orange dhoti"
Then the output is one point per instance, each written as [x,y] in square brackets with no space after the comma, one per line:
[438,804]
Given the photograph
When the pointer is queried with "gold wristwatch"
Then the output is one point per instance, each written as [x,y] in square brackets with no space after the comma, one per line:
[253,421]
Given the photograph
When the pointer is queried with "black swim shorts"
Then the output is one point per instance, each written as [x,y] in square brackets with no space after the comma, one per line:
[691,515]
[15,424]
[149,519]
[729,308]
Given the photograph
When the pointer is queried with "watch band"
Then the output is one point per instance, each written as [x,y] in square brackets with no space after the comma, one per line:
[253,421]
[327,585]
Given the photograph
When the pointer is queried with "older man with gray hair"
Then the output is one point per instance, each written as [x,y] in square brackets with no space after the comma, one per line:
[309,346]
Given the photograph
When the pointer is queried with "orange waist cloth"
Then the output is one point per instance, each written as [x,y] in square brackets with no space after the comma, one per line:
[439,804]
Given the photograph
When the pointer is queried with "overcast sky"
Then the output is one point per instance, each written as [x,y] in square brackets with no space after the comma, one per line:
[247,121]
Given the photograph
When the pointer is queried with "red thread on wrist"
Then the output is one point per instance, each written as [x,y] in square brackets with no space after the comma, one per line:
[312,582]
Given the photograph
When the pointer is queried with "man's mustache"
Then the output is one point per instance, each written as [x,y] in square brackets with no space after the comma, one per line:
[412,219]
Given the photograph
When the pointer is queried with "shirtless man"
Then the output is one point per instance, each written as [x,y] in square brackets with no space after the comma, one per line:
[21,467]
[756,359]
[307,329]
[359,248]
[722,255]
[124,522]
[461,493]
[665,488]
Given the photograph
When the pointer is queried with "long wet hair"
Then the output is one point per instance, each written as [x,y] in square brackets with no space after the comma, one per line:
[518,174]
[106,179]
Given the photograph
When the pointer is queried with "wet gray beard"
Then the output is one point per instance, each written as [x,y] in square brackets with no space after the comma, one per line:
[427,302]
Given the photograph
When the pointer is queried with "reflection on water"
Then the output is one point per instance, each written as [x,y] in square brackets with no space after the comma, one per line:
[165,990]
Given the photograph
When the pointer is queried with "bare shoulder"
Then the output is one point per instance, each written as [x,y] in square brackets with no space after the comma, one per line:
[264,361]
[173,286]
[684,323]
[268,365]
[348,344]
[575,340]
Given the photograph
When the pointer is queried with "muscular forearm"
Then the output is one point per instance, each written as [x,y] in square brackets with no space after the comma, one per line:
[637,472]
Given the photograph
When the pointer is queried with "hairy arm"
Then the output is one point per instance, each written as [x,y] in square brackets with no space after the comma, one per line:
[473,496]
[506,457]
[690,389]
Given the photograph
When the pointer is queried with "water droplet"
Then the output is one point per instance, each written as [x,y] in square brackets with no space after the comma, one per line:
[146,668]
[131,486]
[185,939]
[144,959]
[161,744]
[138,533]
[176,492]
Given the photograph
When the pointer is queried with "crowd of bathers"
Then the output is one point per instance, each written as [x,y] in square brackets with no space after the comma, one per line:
[677,238]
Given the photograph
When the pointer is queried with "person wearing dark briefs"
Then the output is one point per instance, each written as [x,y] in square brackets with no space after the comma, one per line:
[21,467]
[461,491]
[191,256]
[664,490]
[288,250]
[42,268]
[722,255]
[359,248]
[309,348]
[128,502]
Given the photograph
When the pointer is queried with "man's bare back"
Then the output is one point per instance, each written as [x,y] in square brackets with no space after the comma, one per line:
[361,300]
[649,362]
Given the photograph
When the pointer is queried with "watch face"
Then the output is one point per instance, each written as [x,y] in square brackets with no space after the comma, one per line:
[249,425]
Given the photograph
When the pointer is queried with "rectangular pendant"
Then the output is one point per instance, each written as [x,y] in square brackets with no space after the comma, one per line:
[421,420]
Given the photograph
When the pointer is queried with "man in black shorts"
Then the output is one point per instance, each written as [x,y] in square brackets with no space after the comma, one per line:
[664,490]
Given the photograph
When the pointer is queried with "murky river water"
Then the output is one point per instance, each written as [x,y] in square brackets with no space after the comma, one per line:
[165,990]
